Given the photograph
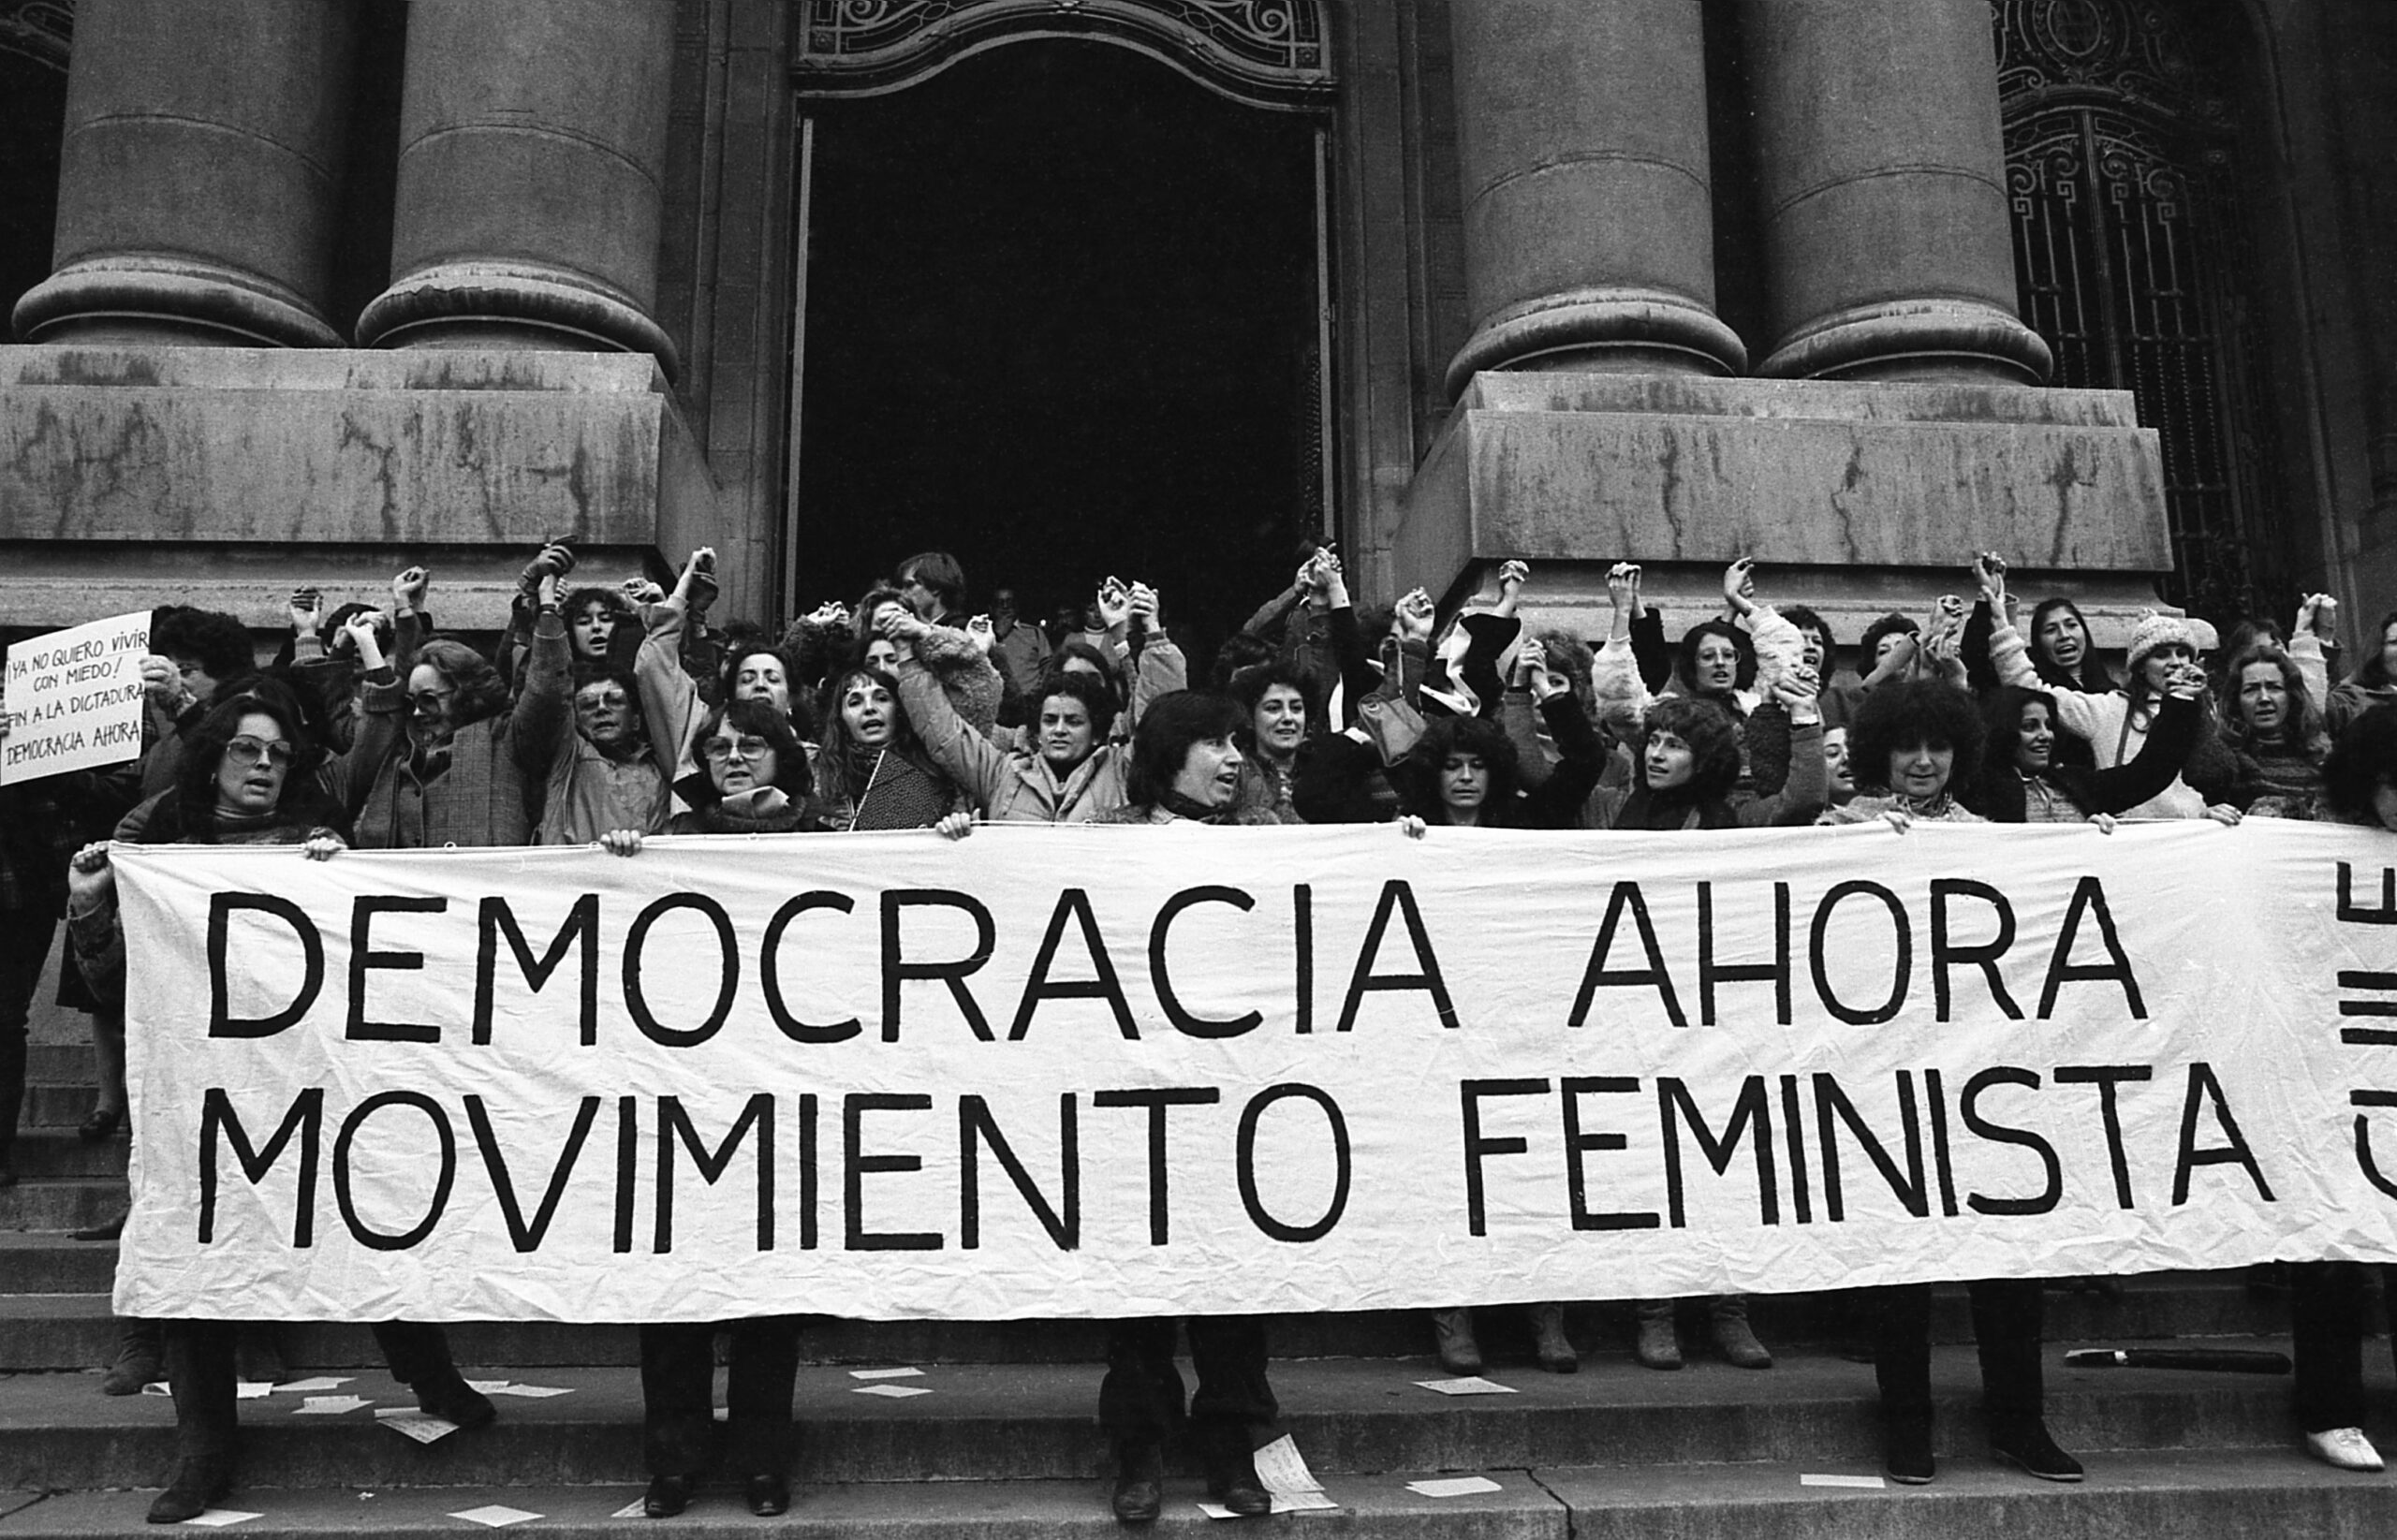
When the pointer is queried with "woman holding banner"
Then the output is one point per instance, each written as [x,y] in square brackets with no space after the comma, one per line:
[248,775]
[755,782]
[1185,769]
[2329,1303]
[1915,747]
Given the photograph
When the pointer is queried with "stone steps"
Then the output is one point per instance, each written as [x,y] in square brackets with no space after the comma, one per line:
[53,1106]
[1035,1422]
[54,1315]
[61,1203]
[2164,1496]
[58,1063]
[54,1150]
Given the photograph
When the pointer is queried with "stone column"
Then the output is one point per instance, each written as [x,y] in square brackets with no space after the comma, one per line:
[531,153]
[199,175]
[1588,212]
[1886,219]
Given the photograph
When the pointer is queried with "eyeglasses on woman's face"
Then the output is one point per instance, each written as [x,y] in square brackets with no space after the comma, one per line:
[749,748]
[246,751]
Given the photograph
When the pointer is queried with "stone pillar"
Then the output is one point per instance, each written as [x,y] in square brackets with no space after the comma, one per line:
[199,175]
[1886,219]
[531,153]
[1588,212]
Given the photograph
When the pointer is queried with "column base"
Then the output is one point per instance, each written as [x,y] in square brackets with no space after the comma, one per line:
[1929,340]
[1601,330]
[484,305]
[227,477]
[157,299]
[1855,498]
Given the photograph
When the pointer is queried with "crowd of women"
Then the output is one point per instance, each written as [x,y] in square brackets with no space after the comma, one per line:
[606,713]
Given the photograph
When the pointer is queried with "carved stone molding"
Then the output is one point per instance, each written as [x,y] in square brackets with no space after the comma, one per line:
[1265,52]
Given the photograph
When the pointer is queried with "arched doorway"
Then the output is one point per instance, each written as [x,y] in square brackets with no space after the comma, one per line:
[2135,259]
[1064,312]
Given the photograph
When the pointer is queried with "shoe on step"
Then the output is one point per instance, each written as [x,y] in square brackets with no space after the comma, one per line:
[667,1495]
[1554,1349]
[452,1399]
[2030,1449]
[197,1484]
[766,1494]
[1906,1452]
[1658,1346]
[1453,1336]
[1231,1473]
[1734,1338]
[1139,1482]
[2344,1449]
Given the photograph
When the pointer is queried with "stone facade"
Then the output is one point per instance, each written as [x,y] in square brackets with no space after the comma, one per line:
[1560,234]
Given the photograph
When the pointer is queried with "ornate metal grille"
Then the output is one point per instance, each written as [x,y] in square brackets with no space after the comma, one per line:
[1272,52]
[2132,253]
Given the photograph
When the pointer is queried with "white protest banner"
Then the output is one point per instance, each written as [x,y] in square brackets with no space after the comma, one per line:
[1132,1071]
[75,698]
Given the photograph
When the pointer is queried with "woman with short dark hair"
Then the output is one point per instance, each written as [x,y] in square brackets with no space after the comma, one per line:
[1185,769]
[753,782]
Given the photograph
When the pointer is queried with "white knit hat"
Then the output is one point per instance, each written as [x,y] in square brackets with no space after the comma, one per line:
[2153,631]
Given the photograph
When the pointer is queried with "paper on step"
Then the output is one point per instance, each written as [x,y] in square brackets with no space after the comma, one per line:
[327,1406]
[1282,1503]
[1868,1482]
[497,1516]
[253,1389]
[531,1392]
[416,1425]
[883,1373]
[633,1509]
[216,1519]
[896,1392]
[1284,1469]
[159,1388]
[319,1383]
[1454,1486]
[1471,1385]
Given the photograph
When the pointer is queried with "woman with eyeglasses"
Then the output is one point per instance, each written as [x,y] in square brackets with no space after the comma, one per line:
[458,772]
[249,775]
[755,782]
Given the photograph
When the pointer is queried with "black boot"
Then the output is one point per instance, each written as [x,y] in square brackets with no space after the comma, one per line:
[1140,1482]
[141,1353]
[451,1398]
[198,1483]
[1231,1468]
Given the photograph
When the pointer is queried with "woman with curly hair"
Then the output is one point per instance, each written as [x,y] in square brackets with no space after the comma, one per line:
[1916,748]
[1915,751]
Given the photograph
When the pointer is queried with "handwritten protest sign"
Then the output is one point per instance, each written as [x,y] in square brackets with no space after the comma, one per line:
[1103,1072]
[75,698]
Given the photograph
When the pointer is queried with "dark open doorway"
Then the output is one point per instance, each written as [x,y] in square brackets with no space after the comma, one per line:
[1061,320]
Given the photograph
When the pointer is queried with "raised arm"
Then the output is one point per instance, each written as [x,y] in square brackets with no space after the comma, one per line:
[970,759]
